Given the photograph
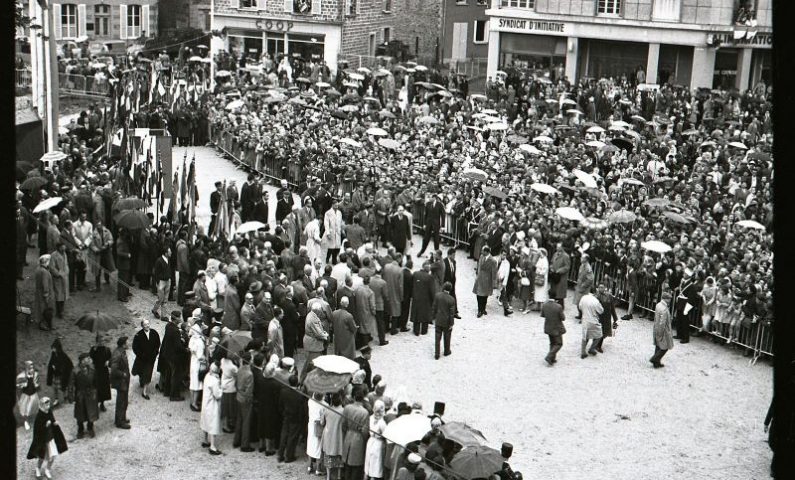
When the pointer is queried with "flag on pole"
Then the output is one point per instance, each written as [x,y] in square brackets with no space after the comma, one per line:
[183,192]
[192,196]
[222,221]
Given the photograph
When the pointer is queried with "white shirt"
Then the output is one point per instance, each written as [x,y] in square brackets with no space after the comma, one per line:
[228,376]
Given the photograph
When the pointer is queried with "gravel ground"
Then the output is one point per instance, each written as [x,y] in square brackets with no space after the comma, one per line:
[612,415]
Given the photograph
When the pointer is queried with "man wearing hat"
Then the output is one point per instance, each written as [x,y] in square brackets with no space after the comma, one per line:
[507,472]
[687,303]
[363,359]
[145,345]
[663,335]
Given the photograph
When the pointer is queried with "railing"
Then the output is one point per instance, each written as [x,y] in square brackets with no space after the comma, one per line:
[756,339]
[82,85]
[22,78]
[471,67]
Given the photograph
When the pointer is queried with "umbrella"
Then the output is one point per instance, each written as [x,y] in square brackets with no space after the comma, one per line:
[750,224]
[33,183]
[51,157]
[356,76]
[443,93]
[389,143]
[495,192]
[543,139]
[407,428]
[420,68]
[302,80]
[131,219]
[349,108]
[350,84]
[689,132]
[195,58]
[490,111]
[497,126]
[130,203]
[595,129]
[708,143]
[339,114]
[638,118]
[621,123]
[372,99]
[296,101]
[569,213]
[335,364]
[428,120]
[351,142]
[249,227]
[379,132]
[544,188]
[236,342]
[530,149]
[632,181]
[477,96]
[333,92]
[364,70]
[657,202]
[622,216]
[622,143]
[381,73]
[516,138]
[738,145]
[321,381]
[47,204]
[617,128]
[386,114]
[761,156]
[655,246]
[322,85]
[596,143]
[234,104]
[574,111]
[490,118]
[609,148]
[475,174]
[594,223]
[586,178]
[477,462]
[223,73]
[463,434]
[97,322]
[675,217]
[631,133]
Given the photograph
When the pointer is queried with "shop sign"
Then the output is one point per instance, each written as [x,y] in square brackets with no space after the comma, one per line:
[274,25]
[745,39]
[540,27]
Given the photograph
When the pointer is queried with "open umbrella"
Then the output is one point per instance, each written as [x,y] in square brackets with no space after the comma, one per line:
[356,76]
[322,85]
[574,111]
[97,322]
[475,174]
[675,217]
[663,180]
[738,145]
[234,104]
[495,192]
[223,73]
[130,203]
[656,246]
[321,381]
[463,434]
[195,58]
[631,181]
[543,139]
[544,188]
[249,227]
[638,118]
[594,223]
[750,224]
[428,120]
[689,132]
[349,108]
[33,183]
[569,213]
[339,114]
[378,132]
[372,100]
[622,143]
[490,111]
[52,157]
[595,129]
[596,144]
[364,70]
[631,133]
[351,142]
[478,97]
[386,114]
[332,92]
[530,149]
[609,148]
[497,126]
[131,219]
[477,462]
[420,68]
[389,143]
[350,84]
[336,364]
[491,119]
[621,123]
[621,216]
[47,204]
[708,143]
[616,128]
[407,428]
[236,342]
[586,178]
[657,202]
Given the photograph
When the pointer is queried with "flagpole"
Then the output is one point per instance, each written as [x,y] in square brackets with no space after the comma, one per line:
[212,51]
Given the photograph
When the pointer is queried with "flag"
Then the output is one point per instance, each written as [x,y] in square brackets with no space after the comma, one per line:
[161,90]
[183,187]
[118,138]
[222,221]
[192,197]
[174,99]
[173,207]
[158,174]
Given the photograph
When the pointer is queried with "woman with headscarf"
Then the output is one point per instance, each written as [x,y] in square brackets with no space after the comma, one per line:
[48,440]
[28,386]
[332,439]
[198,362]
[211,408]
[541,280]
[374,453]
[314,433]
[59,371]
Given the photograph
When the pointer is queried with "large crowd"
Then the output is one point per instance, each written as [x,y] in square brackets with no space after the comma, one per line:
[371,154]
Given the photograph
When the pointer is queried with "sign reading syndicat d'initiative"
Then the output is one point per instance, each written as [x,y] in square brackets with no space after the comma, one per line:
[516,24]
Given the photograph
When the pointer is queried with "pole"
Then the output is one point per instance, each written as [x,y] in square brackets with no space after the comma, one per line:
[51,80]
[212,49]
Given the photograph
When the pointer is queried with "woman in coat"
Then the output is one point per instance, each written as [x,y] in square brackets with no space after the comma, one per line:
[541,279]
[584,281]
[100,356]
[59,269]
[101,258]
[85,396]
[314,432]
[331,442]
[44,297]
[59,371]
[28,386]
[48,441]
[709,293]
[559,274]
[313,240]
[374,454]
[211,408]
[197,356]
[332,222]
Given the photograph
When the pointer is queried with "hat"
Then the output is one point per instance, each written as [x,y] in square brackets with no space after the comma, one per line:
[200,273]
[688,272]
[507,450]
[176,315]
[82,356]
[288,362]
[196,313]
[255,286]
[365,350]
[414,458]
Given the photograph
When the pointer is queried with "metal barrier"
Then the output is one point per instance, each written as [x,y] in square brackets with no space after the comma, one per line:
[247,156]
[80,84]
[22,78]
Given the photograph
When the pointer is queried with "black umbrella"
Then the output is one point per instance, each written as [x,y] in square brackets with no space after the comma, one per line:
[339,114]
[97,322]
[33,183]
[623,144]
[130,203]
[132,219]
[495,192]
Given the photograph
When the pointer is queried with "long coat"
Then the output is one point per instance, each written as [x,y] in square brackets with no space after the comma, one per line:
[344,328]
[584,281]
[486,280]
[423,290]
[146,351]
[100,356]
[266,406]
[663,333]
[333,438]
[393,275]
[231,318]
[365,309]
[210,420]
[561,263]
[86,398]
[44,296]
[101,251]
[332,222]
[59,269]
[356,429]
[400,232]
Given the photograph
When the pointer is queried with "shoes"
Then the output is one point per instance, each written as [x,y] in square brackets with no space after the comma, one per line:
[214,452]
[457,316]
[226,430]
[626,317]
[289,460]
[404,329]
[123,426]
[146,397]
[176,399]
[38,472]
[599,349]
[578,317]
[592,352]
[156,314]
[446,354]
[262,449]
[247,449]
[47,472]
[549,361]
[205,444]
[280,459]
[385,342]
[157,387]
[584,355]
[27,425]
[684,341]
[195,409]
[521,310]
[436,357]
[44,327]
[270,454]
[394,332]
[80,435]
[658,365]
[91,433]
[676,337]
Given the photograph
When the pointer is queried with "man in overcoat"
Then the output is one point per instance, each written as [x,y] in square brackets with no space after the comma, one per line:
[434,218]
[120,381]
[552,313]
[170,365]
[444,311]
[365,312]
[356,430]
[400,230]
[146,345]
[393,276]
[344,327]
[423,290]
[486,280]
[559,274]
[663,333]
[86,405]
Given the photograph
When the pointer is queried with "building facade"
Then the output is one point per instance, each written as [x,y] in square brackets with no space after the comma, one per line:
[694,43]
[178,14]
[465,31]
[324,29]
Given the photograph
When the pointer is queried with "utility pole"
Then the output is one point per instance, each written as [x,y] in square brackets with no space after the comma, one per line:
[51,68]
[212,48]
[44,70]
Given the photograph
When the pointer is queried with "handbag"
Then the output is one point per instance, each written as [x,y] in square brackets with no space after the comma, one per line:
[540,279]
[203,368]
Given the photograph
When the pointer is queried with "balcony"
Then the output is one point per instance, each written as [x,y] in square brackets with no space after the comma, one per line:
[745,14]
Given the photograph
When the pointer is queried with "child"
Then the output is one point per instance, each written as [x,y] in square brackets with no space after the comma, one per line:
[525,289]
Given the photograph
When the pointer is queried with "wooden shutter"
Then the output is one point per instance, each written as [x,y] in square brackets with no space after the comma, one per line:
[56,21]
[288,6]
[145,20]
[315,7]
[81,20]
[123,22]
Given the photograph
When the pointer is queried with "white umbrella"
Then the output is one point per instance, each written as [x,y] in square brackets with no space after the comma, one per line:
[51,202]
[656,246]
[738,145]
[568,100]
[335,364]
[364,70]
[323,85]
[249,227]
[616,127]
[350,84]
[234,104]
[389,143]
[530,149]
[586,178]
[427,119]
[595,129]
[741,223]
[54,156]
[407,428]
[632,133]
[479,115]
[351,142]
[630,181]
[491,111]
[223,73]
[475,173]
[349,108]
[570,213]
[543,138]
[477,96]
[544,188]
[621,123]
[596,143]
[356,76]
[379,132]
[195,58]
[491,119]
[574,111]
[497,126]
[420,68]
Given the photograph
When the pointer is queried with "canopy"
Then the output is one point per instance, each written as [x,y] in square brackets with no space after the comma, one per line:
[249,227]
[544,188]
[407,428]
[586,178]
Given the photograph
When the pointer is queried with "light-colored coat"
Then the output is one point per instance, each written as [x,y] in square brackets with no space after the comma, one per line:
[211,405]
[663,334]
[313,241]
[196,347]
[561,263]
[101,251]
[315,335]
[356,428]
[45,294]
[541,292]
[365,309]
[486,280]
[584,281]
[276,337]
[344,327]
[333,437]
[393,275]
[59,269]
[332,221]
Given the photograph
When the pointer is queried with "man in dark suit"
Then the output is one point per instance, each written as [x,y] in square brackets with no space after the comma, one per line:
[284,205]
[215,203]
[687,304]
[331,288]
[291,407]
[120,381]
[285,188]
[423,291]
[552,313]
[346,291]
[450,271]
[259,211]
[248,193]
[444,313]
[289,322]
[145,345]
[434,217]
[400,230]
[408,285]
[172,351]
[344,328]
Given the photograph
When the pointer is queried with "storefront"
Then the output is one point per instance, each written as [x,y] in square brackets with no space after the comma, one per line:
[254,44]
[725,75]
[532,52]
[606,58]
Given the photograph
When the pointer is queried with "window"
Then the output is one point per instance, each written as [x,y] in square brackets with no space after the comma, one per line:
[387,34]
[102,20]
[133,21]
[745,13]
[387,5]
[517,3]
[69,20]
[608,7]
[483,2]
[302,7]
[351,7]
[248,3]
[460,2]
[481,31]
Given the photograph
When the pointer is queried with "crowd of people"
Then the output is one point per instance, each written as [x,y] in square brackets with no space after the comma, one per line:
[672,165]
